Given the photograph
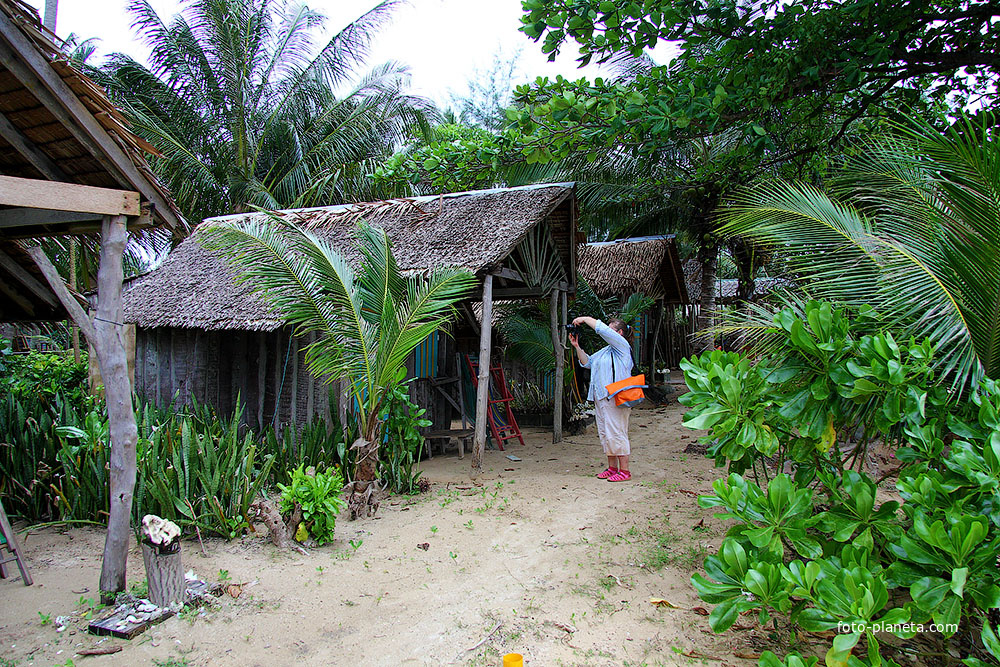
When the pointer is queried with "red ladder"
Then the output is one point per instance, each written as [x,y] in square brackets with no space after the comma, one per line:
[499,414]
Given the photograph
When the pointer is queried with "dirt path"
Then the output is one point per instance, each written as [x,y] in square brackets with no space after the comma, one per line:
[560,566]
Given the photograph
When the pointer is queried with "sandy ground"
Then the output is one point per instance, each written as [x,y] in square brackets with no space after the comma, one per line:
[535,556]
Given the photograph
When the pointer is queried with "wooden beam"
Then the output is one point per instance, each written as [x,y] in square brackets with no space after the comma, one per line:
[24,217]
[29,151]
[483,387]
[17,297]
[508,274]
[29,281]
[518,294]
[29,66]
[34,193]
[55,281]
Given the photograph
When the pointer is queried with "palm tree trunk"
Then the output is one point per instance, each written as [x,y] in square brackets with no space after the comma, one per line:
[708,258]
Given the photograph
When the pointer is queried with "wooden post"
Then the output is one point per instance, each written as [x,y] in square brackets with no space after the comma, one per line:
[560,355]
[461,391]
[105,335]
[483,388]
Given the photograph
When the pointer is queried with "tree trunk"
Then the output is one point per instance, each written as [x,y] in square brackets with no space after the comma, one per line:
[708,257]
[560,356]
[744,254]
[118,395]
[105,335]
[164,574]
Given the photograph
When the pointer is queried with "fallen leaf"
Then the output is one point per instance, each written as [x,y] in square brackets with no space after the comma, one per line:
[700,524]
[689,493]
[424,545]
[234,590]
[747,656]
[660,602]
[701,611]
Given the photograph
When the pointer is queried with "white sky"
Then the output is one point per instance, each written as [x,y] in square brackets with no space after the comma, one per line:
[444,42]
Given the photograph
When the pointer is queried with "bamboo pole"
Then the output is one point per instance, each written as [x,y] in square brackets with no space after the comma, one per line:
[483,388]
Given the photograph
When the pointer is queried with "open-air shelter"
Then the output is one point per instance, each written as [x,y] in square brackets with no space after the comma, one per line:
[70,166]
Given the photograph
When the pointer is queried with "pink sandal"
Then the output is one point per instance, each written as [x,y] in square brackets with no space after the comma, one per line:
[606,473]
[620,476]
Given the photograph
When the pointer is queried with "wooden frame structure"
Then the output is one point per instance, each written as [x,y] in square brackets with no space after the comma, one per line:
[71,167]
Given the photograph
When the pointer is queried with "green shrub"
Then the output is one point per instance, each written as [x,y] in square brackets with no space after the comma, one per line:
[814,546]
[318,494]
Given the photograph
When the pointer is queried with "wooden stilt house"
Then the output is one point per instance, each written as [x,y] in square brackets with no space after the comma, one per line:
[650,266]
[203,336]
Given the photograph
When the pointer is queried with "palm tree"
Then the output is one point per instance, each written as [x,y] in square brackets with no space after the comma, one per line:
[912,228]
[243,113]
[367,320]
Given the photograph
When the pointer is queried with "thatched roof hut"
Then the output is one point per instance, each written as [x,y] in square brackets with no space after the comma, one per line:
[195,288]
[648,265]
[204,335]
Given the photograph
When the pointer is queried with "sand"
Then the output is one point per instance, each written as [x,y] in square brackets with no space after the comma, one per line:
[535,556]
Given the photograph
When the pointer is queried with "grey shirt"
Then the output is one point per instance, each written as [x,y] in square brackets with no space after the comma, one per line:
[612,362]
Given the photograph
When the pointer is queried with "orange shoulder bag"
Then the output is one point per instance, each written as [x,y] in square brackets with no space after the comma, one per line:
[626,392]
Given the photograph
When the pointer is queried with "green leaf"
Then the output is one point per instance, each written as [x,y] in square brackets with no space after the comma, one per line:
[724,615]
[928,592]
[841,649]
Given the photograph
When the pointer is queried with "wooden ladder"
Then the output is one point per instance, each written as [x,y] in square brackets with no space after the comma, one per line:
[10,551]
[499,415]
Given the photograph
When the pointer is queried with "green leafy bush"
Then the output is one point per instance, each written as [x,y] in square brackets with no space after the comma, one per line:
[318,494]
[402,421]
[811,542]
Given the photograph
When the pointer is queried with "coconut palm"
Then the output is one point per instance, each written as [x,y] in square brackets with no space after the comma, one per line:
[367,320]
[244,113]
[912,228]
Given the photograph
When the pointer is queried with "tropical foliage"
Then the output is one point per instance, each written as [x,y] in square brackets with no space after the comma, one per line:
[243,113]
[367,320]
[910,227]
[813,543]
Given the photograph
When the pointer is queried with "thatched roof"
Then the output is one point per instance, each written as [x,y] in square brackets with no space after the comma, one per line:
[43,99]
[477,231]
[57,126]
[648,265]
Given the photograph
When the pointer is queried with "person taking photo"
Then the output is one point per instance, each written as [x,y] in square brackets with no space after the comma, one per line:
[612,362]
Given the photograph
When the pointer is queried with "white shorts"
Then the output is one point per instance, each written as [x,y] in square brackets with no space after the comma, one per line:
[612,427]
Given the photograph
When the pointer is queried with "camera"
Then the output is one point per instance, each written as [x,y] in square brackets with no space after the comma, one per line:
[573,329]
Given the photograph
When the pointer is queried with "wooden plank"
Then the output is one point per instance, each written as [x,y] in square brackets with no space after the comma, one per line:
[34,193]
[310,388]
[29,151]
[261,377]
[293,407]
[29,66]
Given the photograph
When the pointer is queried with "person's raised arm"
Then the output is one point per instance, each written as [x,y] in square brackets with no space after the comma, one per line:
[610,336]
[584,358]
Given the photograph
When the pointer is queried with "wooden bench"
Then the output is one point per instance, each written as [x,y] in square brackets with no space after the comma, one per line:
[443,437]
